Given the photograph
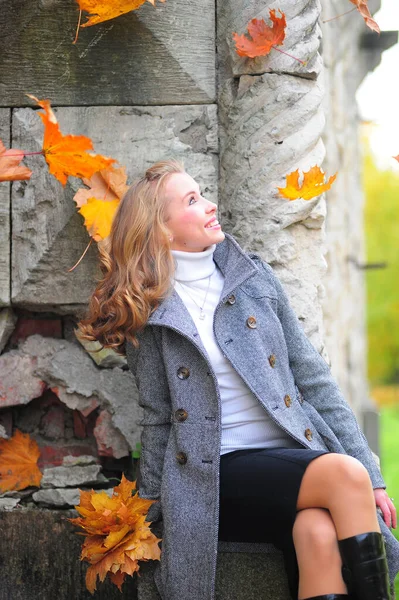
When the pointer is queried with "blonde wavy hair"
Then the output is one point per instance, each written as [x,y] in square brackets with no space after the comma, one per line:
[135,261]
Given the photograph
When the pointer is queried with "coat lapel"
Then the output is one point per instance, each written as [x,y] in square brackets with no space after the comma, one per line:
[236,267]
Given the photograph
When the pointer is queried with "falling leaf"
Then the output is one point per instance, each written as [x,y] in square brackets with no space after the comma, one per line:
[104,10]
[117,534]
[312,185]
[396,158]
[98,215]
[108,184]
[18,462]
[263,36]
[9,165]
[362,7]
[67,154]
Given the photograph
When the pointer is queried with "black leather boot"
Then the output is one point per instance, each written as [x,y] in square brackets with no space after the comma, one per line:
[365,566]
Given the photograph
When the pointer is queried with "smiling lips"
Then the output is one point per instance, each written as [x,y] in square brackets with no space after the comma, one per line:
[212,224]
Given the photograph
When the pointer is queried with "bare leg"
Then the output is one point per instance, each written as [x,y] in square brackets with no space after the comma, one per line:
[341,484]
[316,547]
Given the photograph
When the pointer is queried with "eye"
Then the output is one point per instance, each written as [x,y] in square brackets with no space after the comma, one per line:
[192,198]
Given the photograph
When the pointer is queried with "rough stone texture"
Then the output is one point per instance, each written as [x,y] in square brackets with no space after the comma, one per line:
[271,125]
[8,503]
[40,558]
[57,497]
[62,364]
[7,323]
[154,55]
[72,461]
[18,384]
[345,302]
[61,477]
[48,234]
[239,576]
[63,497]
[5,119]
[302,38]
[110,441]
[105,358]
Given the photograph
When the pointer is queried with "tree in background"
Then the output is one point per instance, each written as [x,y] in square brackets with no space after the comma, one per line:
[382,238]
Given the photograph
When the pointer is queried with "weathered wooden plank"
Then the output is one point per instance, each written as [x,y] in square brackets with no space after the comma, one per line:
[5,117]
[40,558]
[48,235]
[161,55]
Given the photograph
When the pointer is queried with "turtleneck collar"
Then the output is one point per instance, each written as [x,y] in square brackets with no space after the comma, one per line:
[191,266]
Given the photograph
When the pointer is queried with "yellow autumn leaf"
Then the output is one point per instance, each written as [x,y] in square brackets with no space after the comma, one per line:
[117,533]
[98,216]
[312,185]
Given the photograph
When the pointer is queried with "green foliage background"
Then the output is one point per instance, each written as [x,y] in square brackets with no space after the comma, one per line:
[382,235]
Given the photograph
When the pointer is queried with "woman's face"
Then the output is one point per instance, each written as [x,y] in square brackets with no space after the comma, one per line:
[190,218]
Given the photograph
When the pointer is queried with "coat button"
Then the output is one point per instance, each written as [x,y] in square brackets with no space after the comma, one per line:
[231,299]
[181,458]
[308,434]
[272,360]
[251,322]
[181,414]
[288,401]
[183,372]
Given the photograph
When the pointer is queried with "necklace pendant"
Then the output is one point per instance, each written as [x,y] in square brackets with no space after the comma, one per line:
[202,315]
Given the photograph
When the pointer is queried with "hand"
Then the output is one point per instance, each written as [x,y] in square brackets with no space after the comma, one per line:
[384,502]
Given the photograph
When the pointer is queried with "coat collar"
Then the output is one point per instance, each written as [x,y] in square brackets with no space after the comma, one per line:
[236,267]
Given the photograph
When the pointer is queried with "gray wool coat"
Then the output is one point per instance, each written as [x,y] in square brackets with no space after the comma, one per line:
[181,435]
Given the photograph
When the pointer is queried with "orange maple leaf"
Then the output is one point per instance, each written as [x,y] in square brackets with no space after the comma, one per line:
[108,184]
[67,154]
[118,534]
[396,158]
[18,462]
[263,36]
[9,164]
[362,7]
[104,10]
[312,185]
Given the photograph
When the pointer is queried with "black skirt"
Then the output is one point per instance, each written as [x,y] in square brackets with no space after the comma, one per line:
[263,482]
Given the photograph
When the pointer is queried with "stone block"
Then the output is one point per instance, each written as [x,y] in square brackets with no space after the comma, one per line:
[18,384]
[57,497]
[155,55]
[110,441]
[6,422]
[48,233]
[5,246]
[302,38]
[40,558]
[7,324]
[61,363]
[60,477]
[239,576]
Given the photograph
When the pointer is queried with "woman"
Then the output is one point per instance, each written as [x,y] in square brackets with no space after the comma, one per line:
[246,436]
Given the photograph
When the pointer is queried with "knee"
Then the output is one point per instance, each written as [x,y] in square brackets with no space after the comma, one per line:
[314,533]
[350,472]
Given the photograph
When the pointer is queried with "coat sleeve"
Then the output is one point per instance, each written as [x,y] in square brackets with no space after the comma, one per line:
[147,366]
[313,376]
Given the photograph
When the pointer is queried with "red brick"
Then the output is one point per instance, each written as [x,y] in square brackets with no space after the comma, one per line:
[52,423]
[52,456]
[27,326]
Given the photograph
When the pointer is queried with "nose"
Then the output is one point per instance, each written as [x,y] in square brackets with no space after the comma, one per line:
[211,206]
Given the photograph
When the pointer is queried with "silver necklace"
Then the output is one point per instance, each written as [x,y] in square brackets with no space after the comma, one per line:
[202,314]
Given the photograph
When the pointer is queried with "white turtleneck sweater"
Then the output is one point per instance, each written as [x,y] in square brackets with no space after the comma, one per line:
[245,423]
